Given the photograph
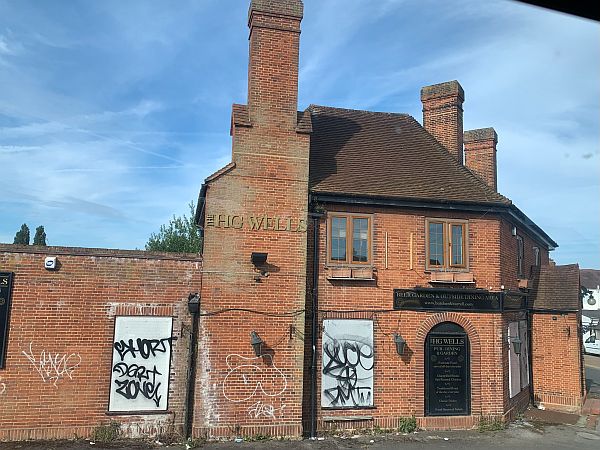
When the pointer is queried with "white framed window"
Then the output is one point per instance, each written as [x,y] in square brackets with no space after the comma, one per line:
[519,256]
[536,256]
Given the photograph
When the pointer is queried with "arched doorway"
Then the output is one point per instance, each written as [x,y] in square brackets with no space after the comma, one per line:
[447,371]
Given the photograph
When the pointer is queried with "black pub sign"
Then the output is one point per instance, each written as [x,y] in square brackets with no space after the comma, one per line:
[5,296]
[426,299]
[447,379]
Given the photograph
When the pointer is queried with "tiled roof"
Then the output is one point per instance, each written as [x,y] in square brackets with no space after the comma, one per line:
[387,155]
[556,288]
[590,278]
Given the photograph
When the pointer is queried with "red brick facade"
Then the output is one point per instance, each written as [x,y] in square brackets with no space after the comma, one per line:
[272,297]
[56,379]
[480,154]
[266,191]
[557,363]
[443,115]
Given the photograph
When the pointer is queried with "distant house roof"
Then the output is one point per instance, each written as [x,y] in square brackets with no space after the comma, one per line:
[590,278]
[387,155]
[556,288]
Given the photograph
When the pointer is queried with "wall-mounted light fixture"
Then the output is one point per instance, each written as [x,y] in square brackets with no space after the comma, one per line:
[400,344]
[258,259]
[516,342]
[256,343]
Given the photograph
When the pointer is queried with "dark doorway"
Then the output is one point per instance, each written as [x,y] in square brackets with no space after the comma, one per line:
[447,371]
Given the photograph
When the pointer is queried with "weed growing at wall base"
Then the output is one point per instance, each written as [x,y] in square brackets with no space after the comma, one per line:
[407,424]
[107,433]
[490,424]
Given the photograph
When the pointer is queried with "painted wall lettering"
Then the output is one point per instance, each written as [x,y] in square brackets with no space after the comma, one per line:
[2,387]
[141,363]
[348,360]
[256,223]
[53,367]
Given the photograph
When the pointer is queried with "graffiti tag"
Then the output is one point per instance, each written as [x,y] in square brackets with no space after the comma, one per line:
[135,379]
[53,366]
[260,409]
[2,387]
[244,379]
[343,360]
[138,380]
[142,347]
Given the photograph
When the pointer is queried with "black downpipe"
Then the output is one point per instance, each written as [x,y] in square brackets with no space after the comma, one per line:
[194,309]
[314,328]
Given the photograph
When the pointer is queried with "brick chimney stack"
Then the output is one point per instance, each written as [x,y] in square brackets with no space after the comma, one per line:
[480,154]
[273,66]
[443,115]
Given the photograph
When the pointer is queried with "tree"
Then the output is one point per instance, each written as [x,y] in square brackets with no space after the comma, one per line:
[180,235]
[22,236]
[40,236]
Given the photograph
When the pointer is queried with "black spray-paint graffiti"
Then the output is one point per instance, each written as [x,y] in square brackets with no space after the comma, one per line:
[139,379]
[350,364]
[144,347]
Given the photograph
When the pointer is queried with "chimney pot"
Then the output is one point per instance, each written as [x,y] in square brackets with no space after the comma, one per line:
[273,63]
[443,115]
[480,154]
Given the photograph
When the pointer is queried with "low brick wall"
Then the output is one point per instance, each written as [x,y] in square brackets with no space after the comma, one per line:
[57,375]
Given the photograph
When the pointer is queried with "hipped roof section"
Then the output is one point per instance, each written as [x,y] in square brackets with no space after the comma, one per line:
[387,155]
[555,288]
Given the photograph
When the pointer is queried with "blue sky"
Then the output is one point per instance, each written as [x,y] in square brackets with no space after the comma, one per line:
[112,113]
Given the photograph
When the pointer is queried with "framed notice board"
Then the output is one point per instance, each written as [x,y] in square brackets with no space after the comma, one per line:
[6,279]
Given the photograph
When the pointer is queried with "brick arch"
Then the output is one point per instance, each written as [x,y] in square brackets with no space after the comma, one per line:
[475,348]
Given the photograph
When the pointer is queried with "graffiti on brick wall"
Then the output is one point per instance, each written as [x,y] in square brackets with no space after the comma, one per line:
[348,361]
[258,380]
[53,367]
[2,387]
[260,409]
[141,363]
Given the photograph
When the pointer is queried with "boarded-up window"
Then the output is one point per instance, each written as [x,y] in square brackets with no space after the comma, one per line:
[518,365]
[348,361]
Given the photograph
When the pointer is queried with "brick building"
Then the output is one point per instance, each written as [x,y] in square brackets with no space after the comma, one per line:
[358,268]
[63,359]
[369,267]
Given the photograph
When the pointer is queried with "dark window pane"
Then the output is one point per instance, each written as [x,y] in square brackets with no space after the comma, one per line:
[436,244]
[338,239]
[520,255]
[457,245]
[360,240]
